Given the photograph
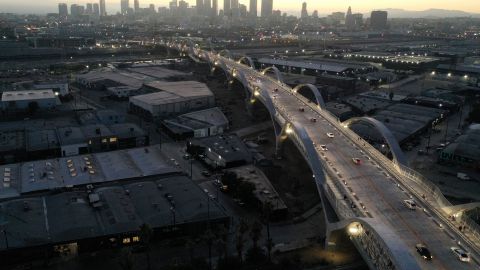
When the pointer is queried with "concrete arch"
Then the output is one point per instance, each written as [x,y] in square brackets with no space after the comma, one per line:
[396,250]
[460,208]
[398,155]
[249,61]
[276,71]
[315,91]
[226,52]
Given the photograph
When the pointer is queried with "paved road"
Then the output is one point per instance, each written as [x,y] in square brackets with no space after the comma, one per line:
[375,189]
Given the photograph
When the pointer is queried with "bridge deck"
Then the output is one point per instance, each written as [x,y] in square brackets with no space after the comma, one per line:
[372,187]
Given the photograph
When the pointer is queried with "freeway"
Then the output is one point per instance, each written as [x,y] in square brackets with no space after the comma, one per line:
[374,189]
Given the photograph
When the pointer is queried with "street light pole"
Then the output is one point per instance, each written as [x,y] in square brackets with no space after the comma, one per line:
[446,132]
[191,168]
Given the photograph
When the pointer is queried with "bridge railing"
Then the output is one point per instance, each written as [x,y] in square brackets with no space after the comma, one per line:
[343,209]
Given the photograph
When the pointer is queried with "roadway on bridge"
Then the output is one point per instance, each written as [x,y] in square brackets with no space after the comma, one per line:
[375,189]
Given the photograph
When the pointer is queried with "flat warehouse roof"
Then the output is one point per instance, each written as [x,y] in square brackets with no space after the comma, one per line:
[27,95]
[170,92]
[44,175]
[110,210]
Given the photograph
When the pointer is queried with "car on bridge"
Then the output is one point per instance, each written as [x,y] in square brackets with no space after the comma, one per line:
[424,252]
[357,161]
[330,135]
[461,254]
[410,204]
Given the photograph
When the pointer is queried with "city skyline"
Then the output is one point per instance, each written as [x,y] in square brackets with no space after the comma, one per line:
[292,7]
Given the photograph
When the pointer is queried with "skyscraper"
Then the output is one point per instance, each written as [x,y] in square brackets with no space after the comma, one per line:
[76,10]
[227,7]
[96,9]
[89,9]
[234,9]
[62,10]
[267,8]
[103,11]
[378,20]
[304,10]
[207,7]
[124,5]
[199,7]
[136,6]
[349,21]
[253,8]
[215,8]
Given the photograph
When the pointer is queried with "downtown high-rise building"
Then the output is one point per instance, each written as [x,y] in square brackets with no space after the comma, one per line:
[136,5]
[227,7]
[124,5]
[304,13]
[214,8]
[207,6]
[96,9]
[103,10]
[89,9]
[267,8]
[378,20]
[234,8]
[76,10]
[253,8]
[349,21]
[62,10]
[199,7]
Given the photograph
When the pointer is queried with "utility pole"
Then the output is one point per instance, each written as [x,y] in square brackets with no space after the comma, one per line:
[6,238]
[446,132]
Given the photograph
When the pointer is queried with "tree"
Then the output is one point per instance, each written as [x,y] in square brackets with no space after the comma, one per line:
[222,242]
[242,229]
[256,232]
[209,238]
[33,107]
[267,212]
[190,246]
[146,234]
[474,115]
[126,259]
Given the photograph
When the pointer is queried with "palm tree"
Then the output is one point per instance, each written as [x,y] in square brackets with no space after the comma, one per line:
[267,212]
[222,241]
[209,237]
[146,234]
[126,260]
[190,246]
[242,228]
[256,233]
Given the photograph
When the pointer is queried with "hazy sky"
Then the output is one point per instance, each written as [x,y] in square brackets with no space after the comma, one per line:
[291,6]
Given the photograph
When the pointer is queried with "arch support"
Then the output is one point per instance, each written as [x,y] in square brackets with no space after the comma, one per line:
[227,53]
[377,243]
[398,155]
[315,91]
[275,71]
[248,61]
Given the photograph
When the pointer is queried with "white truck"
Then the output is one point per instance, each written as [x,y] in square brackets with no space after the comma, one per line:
[463,176]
